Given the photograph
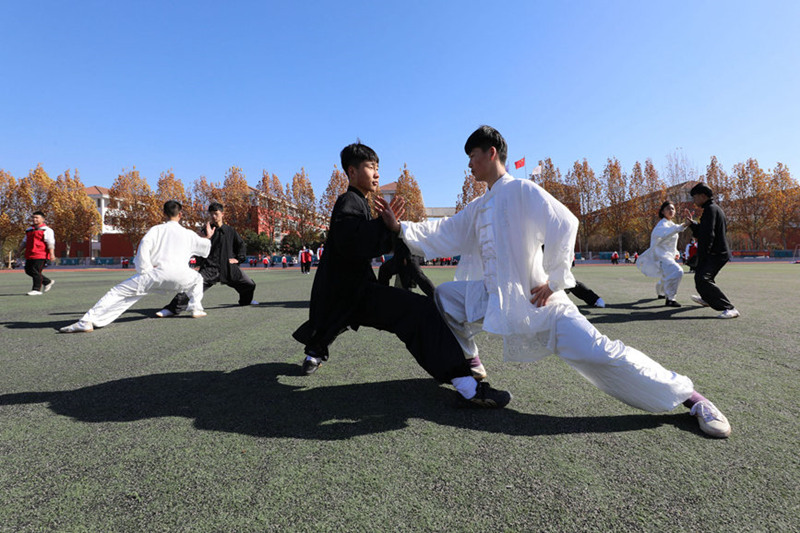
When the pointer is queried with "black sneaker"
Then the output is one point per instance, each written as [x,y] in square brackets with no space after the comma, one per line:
[486,396]
[671,303]
[310,365]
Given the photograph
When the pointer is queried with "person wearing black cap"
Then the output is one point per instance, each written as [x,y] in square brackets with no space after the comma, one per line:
[712,251]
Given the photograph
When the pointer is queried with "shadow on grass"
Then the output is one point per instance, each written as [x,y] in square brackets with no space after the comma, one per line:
[252,401]
[130,315]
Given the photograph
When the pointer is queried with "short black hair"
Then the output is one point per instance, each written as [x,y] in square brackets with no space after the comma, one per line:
[661,209]
[40,213]
[354,154]
[484,138]
[215,206]
[172,208]
[701,188]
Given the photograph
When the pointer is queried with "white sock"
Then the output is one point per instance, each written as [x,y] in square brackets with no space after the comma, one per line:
[467,386]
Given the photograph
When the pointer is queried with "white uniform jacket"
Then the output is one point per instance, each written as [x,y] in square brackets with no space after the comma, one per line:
[663,245]
[525,217]
[162,260]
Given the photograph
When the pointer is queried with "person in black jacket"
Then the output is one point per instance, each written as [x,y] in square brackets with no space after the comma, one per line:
[228,251]
[346,292]
[712,251]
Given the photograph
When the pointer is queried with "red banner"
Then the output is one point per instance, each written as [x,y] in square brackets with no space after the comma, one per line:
[520,163]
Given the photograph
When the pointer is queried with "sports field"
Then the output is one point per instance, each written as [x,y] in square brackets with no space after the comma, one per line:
[188,424]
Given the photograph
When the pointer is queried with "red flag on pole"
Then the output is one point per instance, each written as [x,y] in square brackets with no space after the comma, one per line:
[520,163]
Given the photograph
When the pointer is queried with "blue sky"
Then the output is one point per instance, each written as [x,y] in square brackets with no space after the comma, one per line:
[201,86]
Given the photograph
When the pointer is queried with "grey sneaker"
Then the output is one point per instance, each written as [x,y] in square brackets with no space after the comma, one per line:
[728,313]
[164,313]
[199,314]
[34,293]
[696,299]
[712,421]
[49,285]
[486,396]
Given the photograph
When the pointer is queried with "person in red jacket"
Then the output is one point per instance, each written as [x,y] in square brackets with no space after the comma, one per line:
[39,244]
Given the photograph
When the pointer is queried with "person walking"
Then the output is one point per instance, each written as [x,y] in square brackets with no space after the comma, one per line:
[39,244]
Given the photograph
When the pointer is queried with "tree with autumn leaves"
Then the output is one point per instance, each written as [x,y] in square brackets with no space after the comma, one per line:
[68,210]
[133,208]
[408,189]
[470,189]
[74,216]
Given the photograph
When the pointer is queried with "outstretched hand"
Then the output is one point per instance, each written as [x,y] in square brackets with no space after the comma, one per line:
[391,213]
[541,294]
[209,229]
[688,215]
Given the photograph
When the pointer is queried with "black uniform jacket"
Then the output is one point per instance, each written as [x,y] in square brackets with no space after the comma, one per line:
[225,244]
[711,232]
[345,269]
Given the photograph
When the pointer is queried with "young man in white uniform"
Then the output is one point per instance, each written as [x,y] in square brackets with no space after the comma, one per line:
[508,285]
[162,265]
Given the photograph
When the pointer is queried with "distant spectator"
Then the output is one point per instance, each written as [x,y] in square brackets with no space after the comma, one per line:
[39,244]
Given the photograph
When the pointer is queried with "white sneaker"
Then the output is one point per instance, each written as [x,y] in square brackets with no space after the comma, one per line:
[728,313]
[164,313]
[696,299]
[34,293]
[712,421]
[254,302]
[199,314]
[78,327]
[599,303]
[49,285]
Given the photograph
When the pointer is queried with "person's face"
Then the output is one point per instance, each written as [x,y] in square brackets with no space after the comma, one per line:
[215,217]
[480,163]
[37,220]
[365,177]
[668,212]
[699,199]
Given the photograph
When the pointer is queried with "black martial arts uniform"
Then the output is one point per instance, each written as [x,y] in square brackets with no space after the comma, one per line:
[712,254]
[347,294]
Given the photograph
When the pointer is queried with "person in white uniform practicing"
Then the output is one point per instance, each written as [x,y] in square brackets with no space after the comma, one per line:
[162,265]
[507,284]
[659,261]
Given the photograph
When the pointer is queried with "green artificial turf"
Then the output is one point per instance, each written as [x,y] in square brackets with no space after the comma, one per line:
[207,425]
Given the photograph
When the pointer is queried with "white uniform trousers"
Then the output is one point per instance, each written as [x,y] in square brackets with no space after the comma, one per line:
[671,275]
[126,293]
[618,370]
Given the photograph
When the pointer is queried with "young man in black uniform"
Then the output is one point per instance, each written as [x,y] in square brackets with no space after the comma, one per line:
[712,251]
[228,251]
[346,293]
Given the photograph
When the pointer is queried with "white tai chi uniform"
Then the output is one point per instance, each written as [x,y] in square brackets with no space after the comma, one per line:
[162,265]
[500,237]
[658,261]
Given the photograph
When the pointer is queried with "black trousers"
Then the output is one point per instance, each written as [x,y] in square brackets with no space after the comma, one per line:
[706,271]
[584,293]
[33,268]
[408,275]
[245,286]
[416,321]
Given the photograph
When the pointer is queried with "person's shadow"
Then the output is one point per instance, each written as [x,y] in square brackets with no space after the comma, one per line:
[252,401]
